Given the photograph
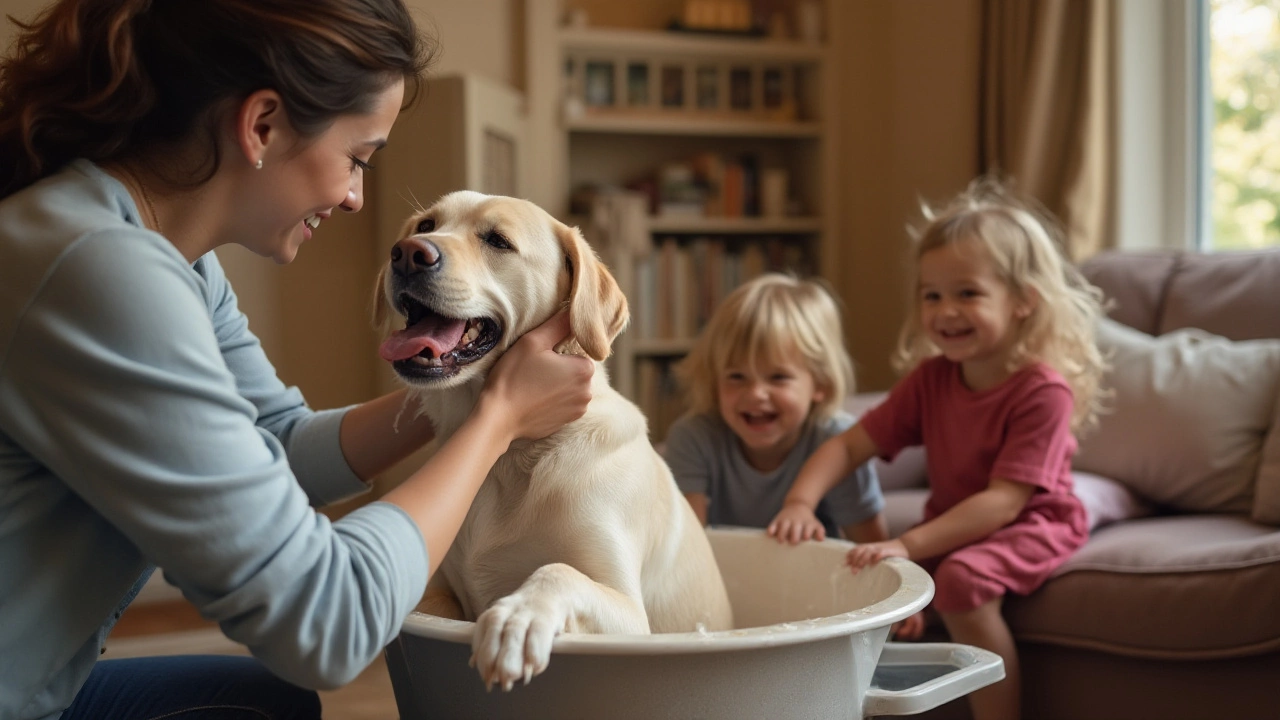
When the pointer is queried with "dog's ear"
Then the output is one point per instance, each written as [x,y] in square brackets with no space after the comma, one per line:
[597,308]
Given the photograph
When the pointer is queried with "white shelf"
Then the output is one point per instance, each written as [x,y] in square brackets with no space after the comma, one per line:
[687,44]
[737,225]
[689,123]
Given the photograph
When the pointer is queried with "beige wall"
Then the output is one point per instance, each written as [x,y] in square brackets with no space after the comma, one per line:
[910,106]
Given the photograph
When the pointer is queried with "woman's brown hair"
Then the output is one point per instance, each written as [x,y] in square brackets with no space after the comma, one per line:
[108,79]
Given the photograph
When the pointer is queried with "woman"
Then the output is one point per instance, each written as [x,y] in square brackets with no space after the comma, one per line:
[141,425]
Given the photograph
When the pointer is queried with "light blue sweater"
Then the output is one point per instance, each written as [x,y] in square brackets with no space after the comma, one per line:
[141,424]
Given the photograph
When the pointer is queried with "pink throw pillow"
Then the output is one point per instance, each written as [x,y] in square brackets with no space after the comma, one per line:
[1106,501]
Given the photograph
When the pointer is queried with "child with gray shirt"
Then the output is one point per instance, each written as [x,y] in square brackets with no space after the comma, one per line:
[765,382]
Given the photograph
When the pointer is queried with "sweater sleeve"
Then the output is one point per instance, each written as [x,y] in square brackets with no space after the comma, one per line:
[121,389]
[310,438]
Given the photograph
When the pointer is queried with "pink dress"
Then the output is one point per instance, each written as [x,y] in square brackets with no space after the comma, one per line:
[1019,430]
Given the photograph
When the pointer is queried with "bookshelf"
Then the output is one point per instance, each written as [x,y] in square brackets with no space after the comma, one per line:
[691,161]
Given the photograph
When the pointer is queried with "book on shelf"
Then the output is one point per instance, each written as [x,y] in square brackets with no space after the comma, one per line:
[677,287]
[659,394]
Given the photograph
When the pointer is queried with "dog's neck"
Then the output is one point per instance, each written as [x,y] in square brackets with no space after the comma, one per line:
[451,407]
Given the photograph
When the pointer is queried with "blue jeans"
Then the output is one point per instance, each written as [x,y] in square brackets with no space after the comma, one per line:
[190,687]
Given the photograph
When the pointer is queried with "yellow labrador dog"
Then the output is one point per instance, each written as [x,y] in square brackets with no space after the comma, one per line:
[583,531]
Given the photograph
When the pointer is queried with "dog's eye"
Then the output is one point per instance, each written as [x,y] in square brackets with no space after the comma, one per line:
[426,226]
[497,240]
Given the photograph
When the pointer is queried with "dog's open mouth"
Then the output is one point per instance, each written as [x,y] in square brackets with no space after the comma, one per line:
[432,346]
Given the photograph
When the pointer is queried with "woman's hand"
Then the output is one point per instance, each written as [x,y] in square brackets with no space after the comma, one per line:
[794,523]
[871,553]
[537,389]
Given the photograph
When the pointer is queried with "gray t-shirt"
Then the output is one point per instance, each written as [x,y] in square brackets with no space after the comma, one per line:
[706,457]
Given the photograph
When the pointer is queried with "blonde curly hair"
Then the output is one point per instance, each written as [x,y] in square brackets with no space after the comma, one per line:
[1023,243]
[771,318]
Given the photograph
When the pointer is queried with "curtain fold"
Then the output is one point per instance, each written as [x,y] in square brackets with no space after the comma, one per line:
[1046,110]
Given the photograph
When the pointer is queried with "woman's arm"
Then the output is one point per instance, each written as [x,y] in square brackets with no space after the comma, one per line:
[381,432]
[531,393]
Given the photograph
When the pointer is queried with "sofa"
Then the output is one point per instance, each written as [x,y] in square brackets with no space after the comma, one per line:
[1172,608]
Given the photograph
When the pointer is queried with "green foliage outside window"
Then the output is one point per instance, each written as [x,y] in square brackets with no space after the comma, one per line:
[1244,73]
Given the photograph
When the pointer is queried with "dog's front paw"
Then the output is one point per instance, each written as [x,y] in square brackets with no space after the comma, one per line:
[513,639]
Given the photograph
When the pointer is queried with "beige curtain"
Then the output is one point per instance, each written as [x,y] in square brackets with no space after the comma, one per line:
[1046,110]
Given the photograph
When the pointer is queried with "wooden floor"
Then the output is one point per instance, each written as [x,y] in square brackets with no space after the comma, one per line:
[172,627]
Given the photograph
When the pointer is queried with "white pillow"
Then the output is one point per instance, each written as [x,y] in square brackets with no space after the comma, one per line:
[1188,419]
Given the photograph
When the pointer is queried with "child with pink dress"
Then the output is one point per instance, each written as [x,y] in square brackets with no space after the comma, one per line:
[1003,372]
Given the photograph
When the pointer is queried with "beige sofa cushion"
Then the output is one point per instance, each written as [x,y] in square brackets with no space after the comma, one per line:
[1135,284]
[1232,294]
[1189,416]
[1187,586]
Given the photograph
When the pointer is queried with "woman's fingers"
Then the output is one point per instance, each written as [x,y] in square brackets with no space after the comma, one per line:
[541,389]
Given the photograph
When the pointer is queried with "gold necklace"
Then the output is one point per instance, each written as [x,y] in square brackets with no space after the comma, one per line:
[146,199]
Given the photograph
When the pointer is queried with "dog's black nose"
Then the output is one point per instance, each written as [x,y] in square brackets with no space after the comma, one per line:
[414,255]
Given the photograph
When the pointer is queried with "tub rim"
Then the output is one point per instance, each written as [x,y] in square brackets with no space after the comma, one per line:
[914,592]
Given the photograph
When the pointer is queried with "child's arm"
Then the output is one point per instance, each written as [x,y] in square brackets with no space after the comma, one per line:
[973,518]
[829,464]
[698,501]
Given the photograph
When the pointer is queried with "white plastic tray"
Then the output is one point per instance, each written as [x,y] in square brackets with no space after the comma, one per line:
[911,678]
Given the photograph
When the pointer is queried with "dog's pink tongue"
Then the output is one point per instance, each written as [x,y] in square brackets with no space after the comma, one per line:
[435,332]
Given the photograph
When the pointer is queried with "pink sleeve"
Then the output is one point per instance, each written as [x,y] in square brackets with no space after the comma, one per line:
[895,423]
[1038,442]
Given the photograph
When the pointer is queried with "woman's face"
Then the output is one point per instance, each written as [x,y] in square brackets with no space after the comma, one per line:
[304,187]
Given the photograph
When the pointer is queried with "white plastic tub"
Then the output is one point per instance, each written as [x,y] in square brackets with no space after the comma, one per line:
[810,635]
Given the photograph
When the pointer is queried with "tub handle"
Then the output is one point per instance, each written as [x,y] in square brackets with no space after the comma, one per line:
[973,668]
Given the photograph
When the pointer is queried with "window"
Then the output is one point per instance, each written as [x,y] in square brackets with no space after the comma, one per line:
[1198,124]
[1242,135]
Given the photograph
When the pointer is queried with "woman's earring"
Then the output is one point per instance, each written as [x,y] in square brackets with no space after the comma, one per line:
[258,165]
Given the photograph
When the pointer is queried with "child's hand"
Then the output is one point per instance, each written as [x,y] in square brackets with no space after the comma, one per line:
[910,629]
[871,553]
[795,523]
